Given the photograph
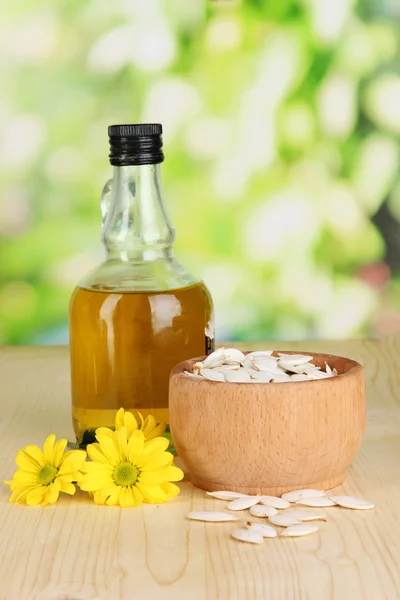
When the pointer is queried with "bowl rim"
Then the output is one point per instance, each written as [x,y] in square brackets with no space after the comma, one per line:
[178,370]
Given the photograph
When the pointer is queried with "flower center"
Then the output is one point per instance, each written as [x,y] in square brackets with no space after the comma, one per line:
[47,474]
[125,474]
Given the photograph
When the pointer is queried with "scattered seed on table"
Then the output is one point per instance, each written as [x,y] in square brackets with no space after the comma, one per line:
[352,502]
[300,530]
[302,494]
[317,502]
[246,535]
[243,503]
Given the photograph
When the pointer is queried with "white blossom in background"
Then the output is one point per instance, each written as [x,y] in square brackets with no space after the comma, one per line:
[16,210]
[283,224]
[382,102]
[297,125]
[329,17]
[65,164]
[376,169]
[173,102]
[337,105]
[353,302]
[30,128]
[356,54]
[224,33]
[306,287]
[342,211]
[151,48]
[31,40]
[207,137]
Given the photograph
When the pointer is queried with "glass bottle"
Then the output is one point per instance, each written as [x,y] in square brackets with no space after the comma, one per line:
[140,312]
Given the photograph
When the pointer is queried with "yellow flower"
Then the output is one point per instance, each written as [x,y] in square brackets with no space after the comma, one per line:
[42,475]
[126,419]
[127,471]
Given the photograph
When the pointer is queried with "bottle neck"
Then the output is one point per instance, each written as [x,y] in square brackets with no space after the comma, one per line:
[135,224]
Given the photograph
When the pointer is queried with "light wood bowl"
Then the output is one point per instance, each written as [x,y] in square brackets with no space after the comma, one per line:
[268,438]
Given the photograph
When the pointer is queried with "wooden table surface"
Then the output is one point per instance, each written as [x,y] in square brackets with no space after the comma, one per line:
[76,550]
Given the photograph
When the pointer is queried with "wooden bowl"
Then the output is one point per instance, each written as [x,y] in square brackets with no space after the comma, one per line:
[268,438]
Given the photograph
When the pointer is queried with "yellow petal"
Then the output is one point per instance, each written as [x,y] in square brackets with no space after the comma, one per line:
[152,477]
[59,448]
[24,477]
[67,487]
[157,432]
[26,462]
[36,453]
[135,447]
[119,418]
[152,494]
[95,454]
[76,477]
[108,448]
[100,496]
[157,445]
[72,461]
[52,493]
[173,473]
[48,449]
[130,423]
[148,425]
[19,495]
[104,431]
[113,498]
[170,489]
[92,483]
[137,496]
[158,461]
[36,496]
[130,496]
[119,438]
[69,477]
[99,469]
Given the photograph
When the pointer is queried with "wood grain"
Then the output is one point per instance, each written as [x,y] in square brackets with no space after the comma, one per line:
[268,438]
[79,551]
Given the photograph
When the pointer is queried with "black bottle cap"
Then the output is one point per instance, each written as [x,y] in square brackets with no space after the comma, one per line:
[136,144]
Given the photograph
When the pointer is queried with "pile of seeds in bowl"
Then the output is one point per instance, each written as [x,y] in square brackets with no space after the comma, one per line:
[230,364]
[294,523]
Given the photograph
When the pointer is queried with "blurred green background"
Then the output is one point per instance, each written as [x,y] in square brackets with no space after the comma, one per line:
[281,131]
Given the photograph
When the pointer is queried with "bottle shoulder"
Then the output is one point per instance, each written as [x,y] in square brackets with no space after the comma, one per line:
[142,276]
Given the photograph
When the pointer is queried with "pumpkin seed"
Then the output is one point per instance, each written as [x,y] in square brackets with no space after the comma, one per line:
[261,510]
[266,531]
[295,359]
[283,521]
[301,494]
[305,515]
[215,359]
[300,530]
[247,535]
[274,501]
[240,376]
[243,503]
[231,365]
[352,502]
[194,375]
[212,516]
[212,375]
[232,354]
[225,495]
[317,502]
